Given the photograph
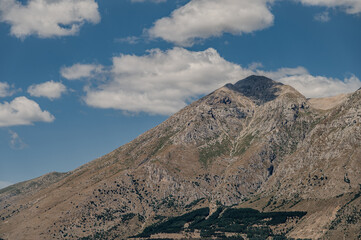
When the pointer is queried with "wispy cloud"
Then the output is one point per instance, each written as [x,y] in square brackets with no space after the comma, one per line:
[349,6]
[47,18]
[130,40]
[6,90]
[322,17]
[16,142]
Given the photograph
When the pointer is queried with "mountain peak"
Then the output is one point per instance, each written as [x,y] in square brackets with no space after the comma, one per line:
[218,154]
[259,88]
[256,79]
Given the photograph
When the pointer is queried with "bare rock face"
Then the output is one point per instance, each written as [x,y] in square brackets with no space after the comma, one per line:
[256,143]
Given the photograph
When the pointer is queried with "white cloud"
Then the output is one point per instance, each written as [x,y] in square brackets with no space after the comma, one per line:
[322,17]
[5,90]
[51,90]
[162,82]
[283,72]
[48,18]
[200,19]
[313,86]
[4,184]
[78,71]
[320,86]
[15,141]
[255,66]
[22,111]
[350,6]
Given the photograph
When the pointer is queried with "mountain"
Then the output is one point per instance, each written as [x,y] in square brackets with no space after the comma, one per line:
[255,156]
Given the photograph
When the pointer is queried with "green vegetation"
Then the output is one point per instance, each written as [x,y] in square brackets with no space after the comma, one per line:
[159,217]
[195,202]
[251,216]
[251,222]
[107,234]
[160,144]
[169,202]
[33,183]
[350,218]
[11,188]
[244,145]
[110,215]
[175,224]
[214,150]
[127,217]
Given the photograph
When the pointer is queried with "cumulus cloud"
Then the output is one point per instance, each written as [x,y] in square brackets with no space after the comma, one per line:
[5,90]
[48,18]
[313,86]
[51,90]
[22,111]
[15,141]
[320,86]
[162,82]
[350,6]
[200,19]
[79,71]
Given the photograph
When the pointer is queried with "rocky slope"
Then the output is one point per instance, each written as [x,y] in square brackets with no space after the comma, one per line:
[257,143]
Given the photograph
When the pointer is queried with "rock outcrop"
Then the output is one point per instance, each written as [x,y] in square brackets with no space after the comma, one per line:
[256,143]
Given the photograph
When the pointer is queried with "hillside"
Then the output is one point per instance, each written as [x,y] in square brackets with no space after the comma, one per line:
[256,144]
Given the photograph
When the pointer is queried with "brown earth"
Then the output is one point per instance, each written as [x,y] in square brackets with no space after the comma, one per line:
[256,144]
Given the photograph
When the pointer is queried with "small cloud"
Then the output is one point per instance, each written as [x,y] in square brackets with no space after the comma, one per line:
[16,142]
[79,71]
[47,19]
[51,90]
[349,6]
[130,40]
[6,90]
[22,111]
[322,17]
[4,184]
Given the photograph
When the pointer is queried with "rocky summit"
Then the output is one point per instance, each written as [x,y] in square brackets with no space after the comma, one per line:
[252,160]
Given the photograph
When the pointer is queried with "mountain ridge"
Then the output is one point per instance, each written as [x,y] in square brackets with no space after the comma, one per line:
[263,151]
[258,88]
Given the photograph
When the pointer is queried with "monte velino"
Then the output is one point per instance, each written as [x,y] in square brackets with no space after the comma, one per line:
[252,160]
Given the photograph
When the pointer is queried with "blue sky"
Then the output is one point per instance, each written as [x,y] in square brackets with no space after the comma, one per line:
[80,78]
